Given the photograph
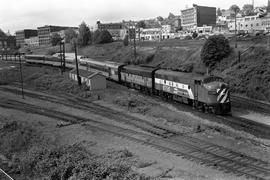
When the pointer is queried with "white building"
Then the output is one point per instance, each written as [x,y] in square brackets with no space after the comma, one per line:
[250,23]
[32,41]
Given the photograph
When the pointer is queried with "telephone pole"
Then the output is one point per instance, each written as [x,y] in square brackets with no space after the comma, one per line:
[21,75]
[77,67]
[64,56]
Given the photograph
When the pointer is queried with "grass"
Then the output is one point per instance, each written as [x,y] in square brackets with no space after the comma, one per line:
[33,156]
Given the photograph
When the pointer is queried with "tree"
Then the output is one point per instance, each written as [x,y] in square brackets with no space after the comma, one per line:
[70,34]
[171,16]
[84,37]
[219,13]
[125,41]
[102,37]
[55,39]
[159,18]
[214,50]
[140,24]
[248,10]
[235,9]
[194,34]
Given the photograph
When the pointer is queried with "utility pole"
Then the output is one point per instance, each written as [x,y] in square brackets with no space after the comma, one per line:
[64,56]
[77,68]
[61,58]
[21,75]
[235,31]
[135,54]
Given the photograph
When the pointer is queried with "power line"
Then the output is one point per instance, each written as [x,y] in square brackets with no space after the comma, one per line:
[6,174]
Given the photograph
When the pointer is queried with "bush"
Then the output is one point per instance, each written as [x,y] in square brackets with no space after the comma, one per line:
[252,76]
[51,51]
[214,50]
[56,39]
[102,37]
[194,35]
[16,138]
[188,37]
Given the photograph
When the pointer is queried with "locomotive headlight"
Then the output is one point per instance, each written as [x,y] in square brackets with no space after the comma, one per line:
[209,87]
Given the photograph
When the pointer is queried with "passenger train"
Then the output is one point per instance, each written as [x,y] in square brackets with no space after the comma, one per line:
[207,93]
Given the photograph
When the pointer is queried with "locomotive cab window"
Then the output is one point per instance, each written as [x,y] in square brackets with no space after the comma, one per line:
[213,79]
[198,82]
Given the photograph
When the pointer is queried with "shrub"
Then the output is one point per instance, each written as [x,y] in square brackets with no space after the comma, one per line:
[56,39]
[194,35]
[188,37]
[214,50]
[102,37]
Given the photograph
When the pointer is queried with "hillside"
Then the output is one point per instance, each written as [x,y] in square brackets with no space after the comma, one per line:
[249,77]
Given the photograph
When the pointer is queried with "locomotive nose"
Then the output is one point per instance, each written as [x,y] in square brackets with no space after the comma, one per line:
[223,94]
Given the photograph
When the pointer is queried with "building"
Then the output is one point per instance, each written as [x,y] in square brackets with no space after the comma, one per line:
[32,42]
[117,30]
[45,33]
[94,80]
[24,34]
[151,34]
[7,42]
[251,23]
[198,16]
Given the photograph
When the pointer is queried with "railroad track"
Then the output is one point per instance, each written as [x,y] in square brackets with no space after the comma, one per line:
[81,104]
[252,104]
[255,128]
[181,145]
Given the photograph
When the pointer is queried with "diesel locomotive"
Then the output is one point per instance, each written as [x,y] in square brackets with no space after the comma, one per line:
[207,93]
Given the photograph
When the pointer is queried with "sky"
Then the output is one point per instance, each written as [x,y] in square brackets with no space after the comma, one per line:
[30,14]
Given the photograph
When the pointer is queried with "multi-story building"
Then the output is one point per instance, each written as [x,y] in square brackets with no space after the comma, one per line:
[45,33]
[117,30]
[24,34]
[198,16]
[250,23]
[32,42]
[7,41]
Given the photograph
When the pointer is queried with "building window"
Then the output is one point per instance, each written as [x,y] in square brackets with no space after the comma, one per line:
[257,24]
[251,25]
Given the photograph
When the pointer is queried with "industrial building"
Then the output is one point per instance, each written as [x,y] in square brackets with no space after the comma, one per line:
[45,33]
[118,31]
[198,16]
[24,34]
